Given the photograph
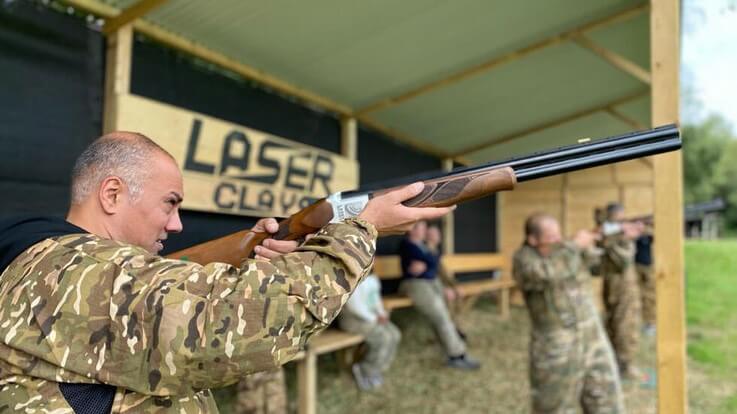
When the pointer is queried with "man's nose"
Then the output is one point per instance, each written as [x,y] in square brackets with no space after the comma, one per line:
[175,224]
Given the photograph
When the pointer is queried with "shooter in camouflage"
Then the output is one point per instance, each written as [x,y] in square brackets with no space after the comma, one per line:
[622,290]
[92,320]
[572,364]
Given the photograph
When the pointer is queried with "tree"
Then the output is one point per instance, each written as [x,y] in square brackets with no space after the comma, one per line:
[709,159]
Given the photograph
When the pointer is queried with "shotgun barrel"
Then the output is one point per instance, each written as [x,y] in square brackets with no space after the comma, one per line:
[445,189]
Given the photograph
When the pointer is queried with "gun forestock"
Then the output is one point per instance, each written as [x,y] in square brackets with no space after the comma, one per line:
[460,187]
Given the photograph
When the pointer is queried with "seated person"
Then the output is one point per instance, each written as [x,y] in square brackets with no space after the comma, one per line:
[364,314]
[420,282]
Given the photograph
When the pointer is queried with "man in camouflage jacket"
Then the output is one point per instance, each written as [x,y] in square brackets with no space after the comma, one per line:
[622,290]
[572,364]
[92,320]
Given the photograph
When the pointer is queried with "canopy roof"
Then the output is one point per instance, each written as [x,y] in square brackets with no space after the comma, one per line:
[472,79]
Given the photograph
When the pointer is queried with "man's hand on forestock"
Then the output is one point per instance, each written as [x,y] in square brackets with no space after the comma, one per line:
[585,238]
[633,230]
[387,213]
[271,248]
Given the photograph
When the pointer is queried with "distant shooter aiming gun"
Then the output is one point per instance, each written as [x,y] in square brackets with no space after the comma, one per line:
[609,221]
[446,189]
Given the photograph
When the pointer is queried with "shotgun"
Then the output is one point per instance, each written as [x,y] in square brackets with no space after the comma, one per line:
[444,189]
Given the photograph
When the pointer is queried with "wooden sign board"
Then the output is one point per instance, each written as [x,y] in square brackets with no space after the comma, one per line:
[233,169]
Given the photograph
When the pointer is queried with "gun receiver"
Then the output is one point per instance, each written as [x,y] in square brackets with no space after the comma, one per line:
[441,190]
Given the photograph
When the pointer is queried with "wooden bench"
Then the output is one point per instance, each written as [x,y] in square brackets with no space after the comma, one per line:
[388,268]
[329,340]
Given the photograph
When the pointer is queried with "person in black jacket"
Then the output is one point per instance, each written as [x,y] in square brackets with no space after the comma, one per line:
[420,282]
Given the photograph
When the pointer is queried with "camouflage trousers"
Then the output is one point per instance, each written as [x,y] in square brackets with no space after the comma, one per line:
[622,304]
[574,369]
[647,292]
[262,393]
[429,300]
[382,340]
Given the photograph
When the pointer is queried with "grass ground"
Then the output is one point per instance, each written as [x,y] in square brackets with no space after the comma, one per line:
[711,290]
[418,382]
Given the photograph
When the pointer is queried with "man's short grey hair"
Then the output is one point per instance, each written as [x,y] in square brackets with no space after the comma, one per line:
[126,155]
[533,224]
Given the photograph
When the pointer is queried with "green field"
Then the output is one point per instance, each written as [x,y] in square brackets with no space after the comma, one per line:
[711,306]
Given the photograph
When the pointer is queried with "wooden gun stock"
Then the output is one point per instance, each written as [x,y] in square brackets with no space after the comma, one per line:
[235,247]
[439,192]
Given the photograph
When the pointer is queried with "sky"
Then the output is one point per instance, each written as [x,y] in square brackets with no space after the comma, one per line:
[709,60]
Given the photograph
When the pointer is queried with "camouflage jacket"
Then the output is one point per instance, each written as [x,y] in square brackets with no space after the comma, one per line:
[556,288]
[81,309]
[619,254]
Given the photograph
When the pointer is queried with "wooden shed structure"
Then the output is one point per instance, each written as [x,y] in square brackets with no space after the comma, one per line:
[467,81]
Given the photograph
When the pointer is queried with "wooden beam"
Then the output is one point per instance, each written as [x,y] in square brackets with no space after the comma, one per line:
[448,219]
[349,137]
[553,123]
[411,141]
[307,384]
[505,58]
[117,74]
[198,50]
[631,122]
[130,14]
[669,270]
[615,59]
[634,124]
[195,49]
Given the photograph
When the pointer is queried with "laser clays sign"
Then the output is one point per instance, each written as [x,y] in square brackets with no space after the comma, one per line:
[233,169]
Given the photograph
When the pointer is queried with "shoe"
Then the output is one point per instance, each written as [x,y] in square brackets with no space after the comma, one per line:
[630,373]
[362,381]
[463,362]
[649,380]
[376,381]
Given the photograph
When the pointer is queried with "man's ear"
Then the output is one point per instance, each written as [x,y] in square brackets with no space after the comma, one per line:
[110,193]
[532,241]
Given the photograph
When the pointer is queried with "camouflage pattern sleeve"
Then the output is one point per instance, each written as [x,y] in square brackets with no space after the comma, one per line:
[619,251]
[592,256]
[83,309]
[533,272]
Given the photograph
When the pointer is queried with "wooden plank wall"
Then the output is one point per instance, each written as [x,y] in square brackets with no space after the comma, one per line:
[571,198]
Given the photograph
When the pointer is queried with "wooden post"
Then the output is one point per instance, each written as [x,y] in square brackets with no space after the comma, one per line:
[670,297]
[448,222]
[117,73]
[307,384]
[349,137]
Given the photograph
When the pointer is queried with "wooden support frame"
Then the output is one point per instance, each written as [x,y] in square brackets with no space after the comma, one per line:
[307,384]
[504,59]
[615,59]
[195,49]
[198,50]
[633,123]
[669,267]
[553,123]
[448,219]
[349,137]
[131,14]
[117,73]
[403,137]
